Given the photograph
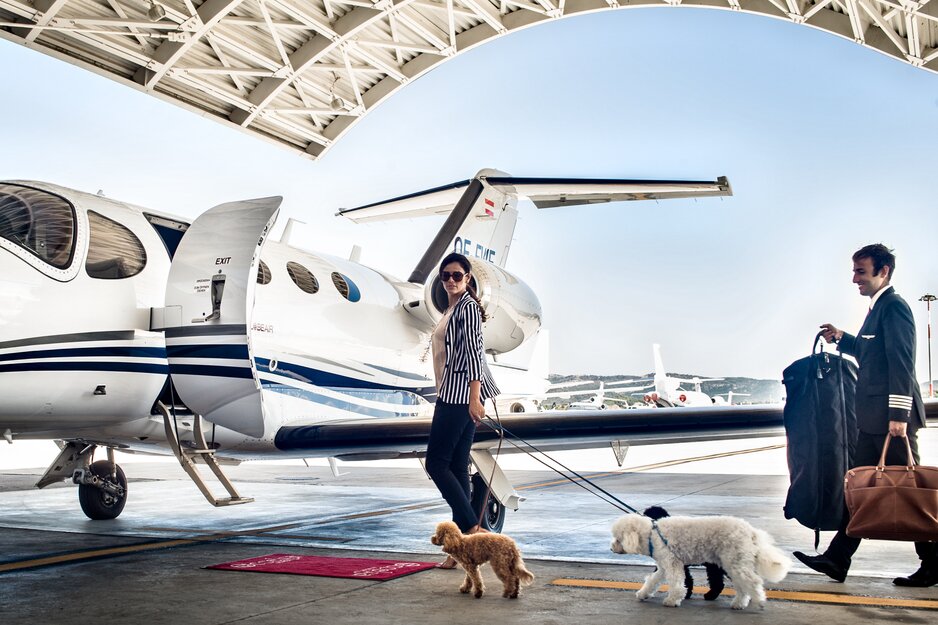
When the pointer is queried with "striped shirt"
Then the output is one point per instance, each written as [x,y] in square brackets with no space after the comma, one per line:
[465,355]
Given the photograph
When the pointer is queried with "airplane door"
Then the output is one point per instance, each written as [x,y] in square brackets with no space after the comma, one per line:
[210,300]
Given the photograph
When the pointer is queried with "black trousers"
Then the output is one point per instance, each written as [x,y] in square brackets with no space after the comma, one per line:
[451,434]
[869,449]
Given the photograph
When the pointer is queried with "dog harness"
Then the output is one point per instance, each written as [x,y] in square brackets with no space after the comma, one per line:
[651,548]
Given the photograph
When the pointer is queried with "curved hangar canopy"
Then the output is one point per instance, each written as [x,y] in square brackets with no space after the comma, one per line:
[302,72]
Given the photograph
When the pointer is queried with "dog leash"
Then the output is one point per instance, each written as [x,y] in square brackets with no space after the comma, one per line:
[580,480]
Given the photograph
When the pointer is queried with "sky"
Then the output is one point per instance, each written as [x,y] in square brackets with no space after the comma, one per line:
[828,146]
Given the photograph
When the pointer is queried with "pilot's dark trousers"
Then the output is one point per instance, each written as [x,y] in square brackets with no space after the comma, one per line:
[869,448]
[451,435]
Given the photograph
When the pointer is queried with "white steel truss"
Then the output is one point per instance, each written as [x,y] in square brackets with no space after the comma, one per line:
[302,72]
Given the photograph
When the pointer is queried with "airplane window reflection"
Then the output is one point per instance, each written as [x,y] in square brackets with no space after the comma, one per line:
[38,221]
[302,277]
[114,251]
[346,287]
[263,273]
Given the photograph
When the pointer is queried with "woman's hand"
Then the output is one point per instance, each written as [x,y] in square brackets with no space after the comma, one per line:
[476,410]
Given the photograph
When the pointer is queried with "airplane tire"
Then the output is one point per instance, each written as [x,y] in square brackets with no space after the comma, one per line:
[99,505]
[494,518]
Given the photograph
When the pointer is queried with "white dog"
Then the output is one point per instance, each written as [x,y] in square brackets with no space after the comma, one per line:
[747,554]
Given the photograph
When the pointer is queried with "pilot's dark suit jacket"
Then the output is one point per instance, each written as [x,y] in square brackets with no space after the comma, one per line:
[885,350]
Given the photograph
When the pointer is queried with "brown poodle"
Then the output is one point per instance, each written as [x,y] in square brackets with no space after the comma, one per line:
[472,551]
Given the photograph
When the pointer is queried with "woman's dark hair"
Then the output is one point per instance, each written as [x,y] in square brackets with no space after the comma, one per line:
[462,261]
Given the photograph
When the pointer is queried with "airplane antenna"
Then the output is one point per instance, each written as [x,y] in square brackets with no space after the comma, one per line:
[288,230]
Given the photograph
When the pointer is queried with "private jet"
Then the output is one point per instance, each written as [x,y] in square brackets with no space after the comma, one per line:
[127,328]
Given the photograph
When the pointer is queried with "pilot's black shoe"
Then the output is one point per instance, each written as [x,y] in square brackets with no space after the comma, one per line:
[823,564]
[927,575]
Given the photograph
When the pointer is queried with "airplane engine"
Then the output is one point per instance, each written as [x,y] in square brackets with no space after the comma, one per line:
[514,312]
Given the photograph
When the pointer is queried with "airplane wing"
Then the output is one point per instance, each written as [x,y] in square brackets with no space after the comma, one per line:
[551,430]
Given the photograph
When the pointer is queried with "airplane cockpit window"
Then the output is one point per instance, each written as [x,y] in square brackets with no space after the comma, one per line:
[38,221]
[113,251]
[346,287]
[302,277]
[263,273]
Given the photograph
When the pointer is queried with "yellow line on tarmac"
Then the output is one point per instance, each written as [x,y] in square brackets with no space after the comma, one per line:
[90,554]
[785,595]
[657,465]
[93,553]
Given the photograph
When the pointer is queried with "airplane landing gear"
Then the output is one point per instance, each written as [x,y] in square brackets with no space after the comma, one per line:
[102,490]
[493,519]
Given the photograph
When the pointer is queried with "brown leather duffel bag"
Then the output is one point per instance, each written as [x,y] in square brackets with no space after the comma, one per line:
[893,502]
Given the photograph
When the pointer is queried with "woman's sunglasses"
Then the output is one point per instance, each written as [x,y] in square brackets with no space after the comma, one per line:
[457,276]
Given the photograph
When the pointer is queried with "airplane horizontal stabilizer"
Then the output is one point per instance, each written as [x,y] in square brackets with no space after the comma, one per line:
[436,201]
[557,192]
[543,192]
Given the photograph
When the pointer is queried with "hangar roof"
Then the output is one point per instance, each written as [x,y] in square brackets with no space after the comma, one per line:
[302,72]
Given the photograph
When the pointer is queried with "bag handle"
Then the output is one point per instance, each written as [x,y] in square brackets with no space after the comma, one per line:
[817,341]
[908,447]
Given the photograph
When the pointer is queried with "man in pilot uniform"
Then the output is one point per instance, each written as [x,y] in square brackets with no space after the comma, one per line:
[888,400]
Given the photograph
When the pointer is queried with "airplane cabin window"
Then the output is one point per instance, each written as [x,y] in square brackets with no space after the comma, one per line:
[38,221]
[263,273]
[114,251]
[302,277]
[346,287]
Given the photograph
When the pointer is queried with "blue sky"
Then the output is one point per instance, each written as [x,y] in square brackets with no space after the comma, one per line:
[828,146]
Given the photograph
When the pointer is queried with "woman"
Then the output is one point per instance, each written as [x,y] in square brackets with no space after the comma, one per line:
[463,382]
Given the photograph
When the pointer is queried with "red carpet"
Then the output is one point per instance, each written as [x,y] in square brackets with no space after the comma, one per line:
[357,568]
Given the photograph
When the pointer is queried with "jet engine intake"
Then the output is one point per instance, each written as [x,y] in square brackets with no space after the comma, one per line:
[514,312]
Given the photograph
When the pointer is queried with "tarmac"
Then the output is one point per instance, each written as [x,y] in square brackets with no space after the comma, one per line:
[56,566]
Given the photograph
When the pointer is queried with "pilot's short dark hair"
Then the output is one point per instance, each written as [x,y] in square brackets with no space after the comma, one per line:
[881,256]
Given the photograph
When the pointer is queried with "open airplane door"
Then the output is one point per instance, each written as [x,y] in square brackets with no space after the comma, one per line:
[209,301]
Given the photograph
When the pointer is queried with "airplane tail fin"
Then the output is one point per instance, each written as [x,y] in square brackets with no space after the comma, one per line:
[661,378]
[480,219]
[482,212]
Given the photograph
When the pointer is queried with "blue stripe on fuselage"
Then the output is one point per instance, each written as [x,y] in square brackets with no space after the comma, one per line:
[403,398]
[79,352]
[333,380]
[130,367]
[228,352]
